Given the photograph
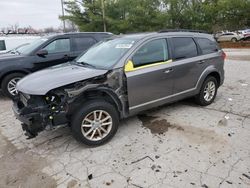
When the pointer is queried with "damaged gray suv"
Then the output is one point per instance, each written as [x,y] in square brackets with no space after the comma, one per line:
[117,78]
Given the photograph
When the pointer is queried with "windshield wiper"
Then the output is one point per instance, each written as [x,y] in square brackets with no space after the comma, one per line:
[14,52]
[17,52]
[85,64]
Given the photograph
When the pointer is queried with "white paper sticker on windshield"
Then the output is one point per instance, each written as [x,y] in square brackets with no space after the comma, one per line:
[123,46]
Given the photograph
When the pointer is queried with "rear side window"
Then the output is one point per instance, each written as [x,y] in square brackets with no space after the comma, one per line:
[83,43]
[184,47]
[2,45]
[152,52]
[207,46]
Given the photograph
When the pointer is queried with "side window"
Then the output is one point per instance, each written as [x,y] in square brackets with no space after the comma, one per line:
[184,47]
[2,45]
[152,52]
[207,46]
[57,46]
[83,43]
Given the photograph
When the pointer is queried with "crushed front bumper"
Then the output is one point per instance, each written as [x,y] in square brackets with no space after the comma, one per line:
[22,118]
[32,123]
[35,118]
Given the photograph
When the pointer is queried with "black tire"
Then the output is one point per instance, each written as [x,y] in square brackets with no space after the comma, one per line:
[88,107]
[6,80]
[234,39]
[200,98]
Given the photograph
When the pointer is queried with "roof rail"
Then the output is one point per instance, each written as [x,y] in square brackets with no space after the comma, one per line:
[182,30]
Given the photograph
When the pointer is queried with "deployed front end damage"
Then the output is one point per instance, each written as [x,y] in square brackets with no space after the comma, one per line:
[40,112]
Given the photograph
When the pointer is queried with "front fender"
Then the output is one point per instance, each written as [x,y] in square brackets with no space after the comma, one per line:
[96,91]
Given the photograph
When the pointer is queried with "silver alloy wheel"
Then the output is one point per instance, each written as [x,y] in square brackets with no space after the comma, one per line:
[12,86]
[96,125]
[209,91]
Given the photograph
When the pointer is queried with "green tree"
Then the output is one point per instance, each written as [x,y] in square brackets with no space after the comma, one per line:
[127,16]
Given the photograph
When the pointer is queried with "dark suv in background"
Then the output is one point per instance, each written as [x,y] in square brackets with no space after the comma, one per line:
[117,78]
[42,53]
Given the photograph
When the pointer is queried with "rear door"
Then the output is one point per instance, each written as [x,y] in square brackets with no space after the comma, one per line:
[152,79]
[208,50]
[59,51]
[187,64]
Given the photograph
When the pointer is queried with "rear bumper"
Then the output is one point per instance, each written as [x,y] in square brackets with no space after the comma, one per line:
[222,77]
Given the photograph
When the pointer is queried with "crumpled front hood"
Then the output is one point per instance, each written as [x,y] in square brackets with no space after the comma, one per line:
[41,82]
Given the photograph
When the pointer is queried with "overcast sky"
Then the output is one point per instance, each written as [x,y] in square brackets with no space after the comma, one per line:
[36,13]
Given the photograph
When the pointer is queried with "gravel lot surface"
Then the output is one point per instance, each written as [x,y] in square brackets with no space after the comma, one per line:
[177,145]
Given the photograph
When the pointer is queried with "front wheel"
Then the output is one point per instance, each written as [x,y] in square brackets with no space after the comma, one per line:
[9,84]
[208,92]
[95,123]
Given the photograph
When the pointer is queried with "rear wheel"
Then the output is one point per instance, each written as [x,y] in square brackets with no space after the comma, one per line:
[234,40]
[208,91]
[95,123]
[9,84]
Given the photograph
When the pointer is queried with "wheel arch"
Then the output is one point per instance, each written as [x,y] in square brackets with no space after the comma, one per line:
[11,72]
[216,75]
[100,93]
[209,72]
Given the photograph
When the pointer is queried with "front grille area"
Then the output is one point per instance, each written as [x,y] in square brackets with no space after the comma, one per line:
[24,98]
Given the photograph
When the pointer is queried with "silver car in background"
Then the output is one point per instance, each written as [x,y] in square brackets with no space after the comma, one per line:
[229,36]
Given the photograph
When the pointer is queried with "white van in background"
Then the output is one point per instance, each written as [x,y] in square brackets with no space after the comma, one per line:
[10,42]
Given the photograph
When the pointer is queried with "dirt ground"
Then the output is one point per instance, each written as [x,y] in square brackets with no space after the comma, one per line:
[177,145]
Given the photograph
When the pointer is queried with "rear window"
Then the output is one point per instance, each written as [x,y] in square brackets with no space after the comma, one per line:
[2,45]
[207,46]
[184,47]
[83,43]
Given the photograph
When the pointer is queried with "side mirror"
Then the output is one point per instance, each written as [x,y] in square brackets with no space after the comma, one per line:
[129,66]
[42,53]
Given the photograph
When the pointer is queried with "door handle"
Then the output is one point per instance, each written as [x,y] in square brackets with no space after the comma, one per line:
[201,62]
[65,56]
[168,71]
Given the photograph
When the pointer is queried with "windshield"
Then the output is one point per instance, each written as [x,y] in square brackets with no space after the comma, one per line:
[18,48]
[30,47]
[106,53]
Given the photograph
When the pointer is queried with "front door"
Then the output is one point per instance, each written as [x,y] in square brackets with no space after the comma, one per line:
[150,79]
[59,51]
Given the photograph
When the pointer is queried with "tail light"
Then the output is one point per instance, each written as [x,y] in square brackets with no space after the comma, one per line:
[223,55]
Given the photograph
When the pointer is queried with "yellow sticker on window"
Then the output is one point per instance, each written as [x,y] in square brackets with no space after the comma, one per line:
[130,65]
